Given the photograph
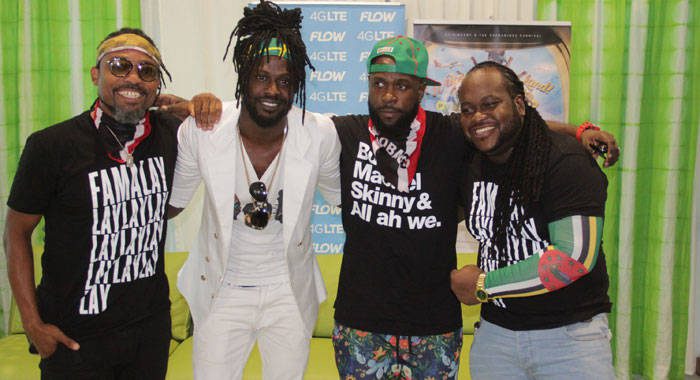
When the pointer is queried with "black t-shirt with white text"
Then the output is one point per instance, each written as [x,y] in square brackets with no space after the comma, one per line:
[400,247]
[102,266]
[573,185]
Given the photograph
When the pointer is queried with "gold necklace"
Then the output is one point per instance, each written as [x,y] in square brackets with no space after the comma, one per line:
[277,163]
[129,156]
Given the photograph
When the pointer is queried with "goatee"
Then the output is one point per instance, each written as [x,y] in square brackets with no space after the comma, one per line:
[123,116]
[263,121]
[400,129]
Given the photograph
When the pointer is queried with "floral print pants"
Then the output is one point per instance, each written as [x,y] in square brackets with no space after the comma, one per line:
[365,355]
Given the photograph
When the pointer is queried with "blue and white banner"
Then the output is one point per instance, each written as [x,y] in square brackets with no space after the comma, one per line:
[339,37]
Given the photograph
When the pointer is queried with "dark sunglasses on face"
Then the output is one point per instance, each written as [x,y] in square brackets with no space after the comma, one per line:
[258,212]
[121,67]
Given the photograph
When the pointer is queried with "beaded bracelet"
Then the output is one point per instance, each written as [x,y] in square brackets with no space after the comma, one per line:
[585,126]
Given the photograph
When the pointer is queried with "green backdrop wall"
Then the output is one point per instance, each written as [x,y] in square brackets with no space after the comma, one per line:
[636,70]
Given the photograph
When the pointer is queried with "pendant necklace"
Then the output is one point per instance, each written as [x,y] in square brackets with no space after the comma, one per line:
[141,132]
[129,157]
[277,157]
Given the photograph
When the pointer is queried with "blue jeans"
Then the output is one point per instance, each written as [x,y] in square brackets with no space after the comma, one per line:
[576,351]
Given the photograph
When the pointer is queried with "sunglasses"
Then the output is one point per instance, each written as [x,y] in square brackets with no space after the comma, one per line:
[258,212]
[121,67]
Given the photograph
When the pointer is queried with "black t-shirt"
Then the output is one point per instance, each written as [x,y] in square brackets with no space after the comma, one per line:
[400,247]
[104,223]
[574,185]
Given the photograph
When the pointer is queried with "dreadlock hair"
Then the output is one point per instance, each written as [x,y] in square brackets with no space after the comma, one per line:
[139,32]
[255,30]
[526,166]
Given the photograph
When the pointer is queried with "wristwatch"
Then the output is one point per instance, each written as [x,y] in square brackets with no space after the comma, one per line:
[480,293]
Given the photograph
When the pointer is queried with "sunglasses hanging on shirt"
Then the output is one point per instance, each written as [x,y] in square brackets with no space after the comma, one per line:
[258,212]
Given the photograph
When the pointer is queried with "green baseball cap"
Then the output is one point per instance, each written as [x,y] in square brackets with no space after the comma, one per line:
[410,55]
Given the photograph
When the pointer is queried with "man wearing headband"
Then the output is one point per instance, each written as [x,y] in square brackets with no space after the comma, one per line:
[396,315]
[101,181]
[252,276]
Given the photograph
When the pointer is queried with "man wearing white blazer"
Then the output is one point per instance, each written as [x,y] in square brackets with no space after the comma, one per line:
[252,275]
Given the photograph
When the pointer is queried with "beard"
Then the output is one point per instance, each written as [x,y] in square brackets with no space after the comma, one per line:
[509,135]
[400,129]
[265,121]
[127,116]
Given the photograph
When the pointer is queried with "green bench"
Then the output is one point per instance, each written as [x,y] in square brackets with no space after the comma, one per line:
[17,363]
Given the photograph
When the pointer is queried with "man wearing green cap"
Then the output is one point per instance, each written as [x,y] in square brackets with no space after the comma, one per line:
[252,276]
[396,316]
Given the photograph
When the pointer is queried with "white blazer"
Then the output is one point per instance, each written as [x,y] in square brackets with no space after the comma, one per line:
[311,158]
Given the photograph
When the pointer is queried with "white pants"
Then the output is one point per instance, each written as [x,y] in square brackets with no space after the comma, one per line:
[239,317]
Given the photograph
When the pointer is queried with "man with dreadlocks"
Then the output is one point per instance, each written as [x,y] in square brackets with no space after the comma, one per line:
[252,275]
[101,182]
[535,200]
[396,316]
[401,165]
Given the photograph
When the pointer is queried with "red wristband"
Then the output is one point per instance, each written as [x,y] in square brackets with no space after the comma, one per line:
[583,127]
